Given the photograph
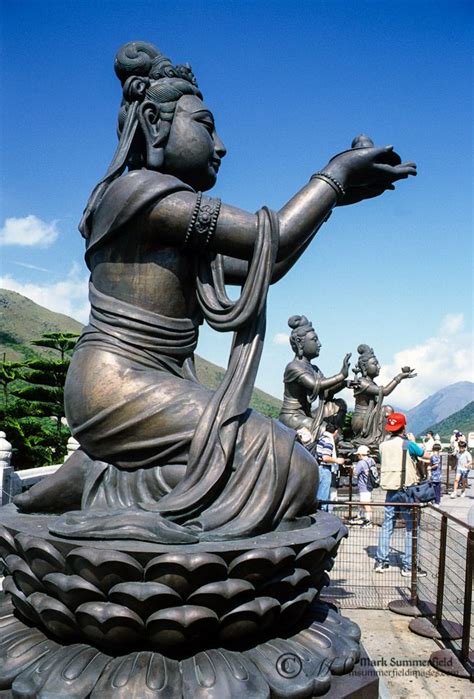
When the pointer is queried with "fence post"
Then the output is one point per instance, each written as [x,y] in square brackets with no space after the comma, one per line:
[466,621]
[414,554]
[441,569]
[447,473]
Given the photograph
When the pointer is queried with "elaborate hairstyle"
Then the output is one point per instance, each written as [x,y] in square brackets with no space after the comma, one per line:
[301,326]
[146,76]
[365,353]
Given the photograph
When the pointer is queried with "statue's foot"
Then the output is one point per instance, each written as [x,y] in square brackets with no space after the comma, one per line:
[59,492]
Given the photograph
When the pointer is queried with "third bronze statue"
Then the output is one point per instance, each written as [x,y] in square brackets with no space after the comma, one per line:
[369,417]
[305,383]
[179,542]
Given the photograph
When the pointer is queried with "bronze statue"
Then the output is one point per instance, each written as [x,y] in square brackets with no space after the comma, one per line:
[368,419]
[305,383]
[160,253]
[193,564]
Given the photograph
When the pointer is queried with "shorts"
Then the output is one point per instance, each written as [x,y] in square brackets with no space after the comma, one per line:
[365,496]
[462,472]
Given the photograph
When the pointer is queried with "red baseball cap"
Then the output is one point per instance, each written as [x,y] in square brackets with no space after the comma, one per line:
[395,422]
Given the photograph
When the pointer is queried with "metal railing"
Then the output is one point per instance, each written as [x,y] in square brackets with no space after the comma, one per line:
[354,582]
[439,597]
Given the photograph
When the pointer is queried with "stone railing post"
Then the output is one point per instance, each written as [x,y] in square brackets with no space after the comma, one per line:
[5,469]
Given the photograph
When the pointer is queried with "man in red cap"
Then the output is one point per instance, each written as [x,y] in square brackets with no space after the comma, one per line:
[393,463]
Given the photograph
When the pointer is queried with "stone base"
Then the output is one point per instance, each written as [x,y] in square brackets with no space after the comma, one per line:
[126,619]
[33,665]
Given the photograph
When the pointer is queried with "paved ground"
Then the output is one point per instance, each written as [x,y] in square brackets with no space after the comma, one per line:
[397,654]
[401,656]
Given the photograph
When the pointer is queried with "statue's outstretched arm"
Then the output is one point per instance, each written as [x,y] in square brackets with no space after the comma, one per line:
[406,373]
[315,383]
[351,176]
[236,270]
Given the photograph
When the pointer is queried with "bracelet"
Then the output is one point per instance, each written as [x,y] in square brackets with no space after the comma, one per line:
[192,222]
[335,184]
[203,223]
[206,222]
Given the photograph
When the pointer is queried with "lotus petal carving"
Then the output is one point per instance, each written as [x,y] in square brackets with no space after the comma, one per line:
[23,576]
[144,675]
[144,598]
[248,620]
[55,616]
[341,653]
[290,669]
[222,673]
[72,590]
[224,595]
[312,555]
[178,626]
[7,543]
[186,572]
[20,650]
[70,672]
[259,565]
[327,615]
[282,588]
[108,623]
[42,557]
[104,568]
[293,610]
[20,601]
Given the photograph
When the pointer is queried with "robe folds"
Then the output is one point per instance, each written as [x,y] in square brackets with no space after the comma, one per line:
[134,404]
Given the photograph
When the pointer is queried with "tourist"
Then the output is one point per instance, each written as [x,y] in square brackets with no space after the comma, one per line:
[364,484]
[398,470]
[435,471]
[429,441]
[326,456]
[463,465]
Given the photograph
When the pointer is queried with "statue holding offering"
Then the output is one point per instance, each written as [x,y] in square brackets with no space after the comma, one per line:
[177,553]
[305,383]
[160,252]
[368,419]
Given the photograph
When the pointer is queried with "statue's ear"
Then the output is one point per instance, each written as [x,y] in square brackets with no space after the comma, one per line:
[299,346]
[155,131]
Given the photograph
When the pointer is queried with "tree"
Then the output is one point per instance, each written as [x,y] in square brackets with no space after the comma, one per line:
[33,399]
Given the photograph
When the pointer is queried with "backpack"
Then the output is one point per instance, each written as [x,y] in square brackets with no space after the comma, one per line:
[373,476]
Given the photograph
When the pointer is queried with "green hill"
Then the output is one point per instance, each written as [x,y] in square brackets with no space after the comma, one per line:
[462,420]
[22,321]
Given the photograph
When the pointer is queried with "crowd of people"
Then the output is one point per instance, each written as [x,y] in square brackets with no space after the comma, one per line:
[402,463]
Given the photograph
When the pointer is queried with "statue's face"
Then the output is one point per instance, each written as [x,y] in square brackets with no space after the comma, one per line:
[373,367]
[311,345]
[194,151]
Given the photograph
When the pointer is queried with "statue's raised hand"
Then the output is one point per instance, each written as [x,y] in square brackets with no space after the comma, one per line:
[365,171]
[407,373]
[345,365]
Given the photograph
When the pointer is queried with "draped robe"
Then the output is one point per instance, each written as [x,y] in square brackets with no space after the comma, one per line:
[243,472]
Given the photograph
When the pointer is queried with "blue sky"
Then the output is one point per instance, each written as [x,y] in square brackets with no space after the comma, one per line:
[290,86]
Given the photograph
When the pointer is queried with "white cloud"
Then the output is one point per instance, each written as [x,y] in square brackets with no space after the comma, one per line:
[452,323]
[439,362]
[67,296]
[28,231]
[281,339]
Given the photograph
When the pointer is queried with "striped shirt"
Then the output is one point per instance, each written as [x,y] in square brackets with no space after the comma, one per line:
[325,447]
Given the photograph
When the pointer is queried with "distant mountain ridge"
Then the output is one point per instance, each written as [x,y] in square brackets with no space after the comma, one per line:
[462,420]
[439,406]
[23,320]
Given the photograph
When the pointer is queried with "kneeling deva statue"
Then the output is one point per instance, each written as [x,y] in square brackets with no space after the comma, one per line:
[176,553]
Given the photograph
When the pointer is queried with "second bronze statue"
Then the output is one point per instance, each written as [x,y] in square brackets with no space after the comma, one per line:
[305,384]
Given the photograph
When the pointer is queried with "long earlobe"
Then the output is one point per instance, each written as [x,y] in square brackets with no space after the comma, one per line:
[155,131]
